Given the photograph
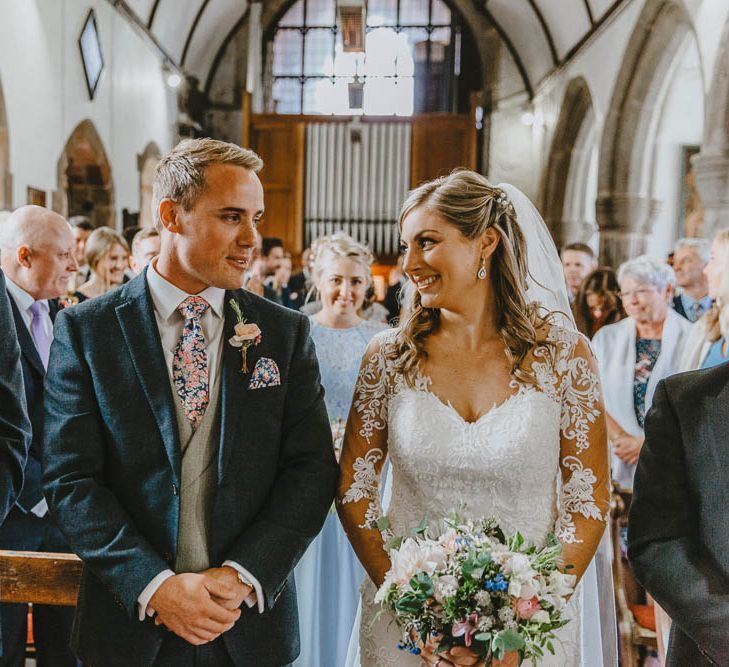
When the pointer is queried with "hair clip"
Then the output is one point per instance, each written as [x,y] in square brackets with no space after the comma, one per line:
[502,200]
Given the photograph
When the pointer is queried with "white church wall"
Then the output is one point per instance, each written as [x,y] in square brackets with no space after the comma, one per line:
[46,97]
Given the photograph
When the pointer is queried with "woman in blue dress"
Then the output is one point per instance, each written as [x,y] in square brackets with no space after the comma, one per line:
[329,574]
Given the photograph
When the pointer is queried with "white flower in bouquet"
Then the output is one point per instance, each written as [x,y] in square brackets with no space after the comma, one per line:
[446,586]
[411,558]
[557,588]
[449,541]
[541,616]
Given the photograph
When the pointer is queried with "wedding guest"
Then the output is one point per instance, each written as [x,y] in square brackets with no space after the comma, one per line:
[635,353]
[15,432]
[37,258]
[107,257]
[301,282]
[254,279]
[145,247]
[677,534]
[689,259]
[396,280]
[280,282]
[329,574]
[128,234]
[82,228]
[188,459]
[578,261]
[598,302]
[707,343]
[272,252]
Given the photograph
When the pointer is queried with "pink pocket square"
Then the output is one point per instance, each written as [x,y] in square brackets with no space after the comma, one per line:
[265,374]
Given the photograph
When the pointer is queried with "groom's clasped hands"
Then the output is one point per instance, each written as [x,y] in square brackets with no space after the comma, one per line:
[199,607]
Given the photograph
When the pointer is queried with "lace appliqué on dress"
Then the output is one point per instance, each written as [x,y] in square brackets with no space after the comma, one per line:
[365,486]
[577,498]
[370,401]
[568,378]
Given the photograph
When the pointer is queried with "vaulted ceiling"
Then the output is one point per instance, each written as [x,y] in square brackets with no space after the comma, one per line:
[539,35]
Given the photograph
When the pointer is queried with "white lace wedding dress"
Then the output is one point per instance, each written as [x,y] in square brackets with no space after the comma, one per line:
[528,462]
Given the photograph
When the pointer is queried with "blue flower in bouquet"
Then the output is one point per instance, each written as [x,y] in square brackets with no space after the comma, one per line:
[497,583]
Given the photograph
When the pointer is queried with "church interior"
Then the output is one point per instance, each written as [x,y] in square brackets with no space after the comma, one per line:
[611,115]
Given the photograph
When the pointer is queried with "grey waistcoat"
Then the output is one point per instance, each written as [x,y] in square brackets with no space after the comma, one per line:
[198,481]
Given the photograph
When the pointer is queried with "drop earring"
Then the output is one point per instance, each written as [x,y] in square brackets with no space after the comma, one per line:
[482,271]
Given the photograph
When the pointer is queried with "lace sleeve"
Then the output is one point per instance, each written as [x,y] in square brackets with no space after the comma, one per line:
[363,455]
[585,489]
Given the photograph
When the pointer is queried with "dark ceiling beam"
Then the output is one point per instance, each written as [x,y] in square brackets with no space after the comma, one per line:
[545,29]
[123,8]
[595,27]
[588,9]
[483,8]
[152,13]
[203,6]
[221,51]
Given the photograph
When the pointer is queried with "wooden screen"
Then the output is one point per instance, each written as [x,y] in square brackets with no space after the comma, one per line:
[440,143]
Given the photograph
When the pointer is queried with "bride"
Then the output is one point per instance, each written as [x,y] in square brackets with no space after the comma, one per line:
[480,397]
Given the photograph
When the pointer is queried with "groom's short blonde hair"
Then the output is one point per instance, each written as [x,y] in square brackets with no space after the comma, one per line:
[180,175]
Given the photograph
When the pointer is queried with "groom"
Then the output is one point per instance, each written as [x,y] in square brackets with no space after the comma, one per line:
[188,458]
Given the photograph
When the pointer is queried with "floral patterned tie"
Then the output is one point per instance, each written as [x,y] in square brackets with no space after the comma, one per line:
[190,363]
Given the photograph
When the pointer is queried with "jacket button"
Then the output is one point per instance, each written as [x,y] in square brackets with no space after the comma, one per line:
[174,489]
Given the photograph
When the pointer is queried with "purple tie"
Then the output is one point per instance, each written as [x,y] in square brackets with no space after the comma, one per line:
[40,336]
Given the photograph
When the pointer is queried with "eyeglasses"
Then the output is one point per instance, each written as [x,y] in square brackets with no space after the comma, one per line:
[643,291]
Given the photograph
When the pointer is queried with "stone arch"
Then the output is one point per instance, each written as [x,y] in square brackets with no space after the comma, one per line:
[625,207]
[6,181]
[147,164]
[571,147]
[711,165]
[85,185]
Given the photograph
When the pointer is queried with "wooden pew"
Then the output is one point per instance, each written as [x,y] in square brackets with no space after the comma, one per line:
[39,578]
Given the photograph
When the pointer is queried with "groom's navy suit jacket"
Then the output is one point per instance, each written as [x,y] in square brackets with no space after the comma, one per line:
[111,470]
[678,531]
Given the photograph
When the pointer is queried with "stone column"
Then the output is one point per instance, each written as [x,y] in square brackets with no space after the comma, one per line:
[625,221]
[712,181]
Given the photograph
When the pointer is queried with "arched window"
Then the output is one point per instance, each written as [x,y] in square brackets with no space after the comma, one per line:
[410,63]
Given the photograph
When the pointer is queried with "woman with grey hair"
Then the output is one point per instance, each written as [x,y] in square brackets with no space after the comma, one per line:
[635,353]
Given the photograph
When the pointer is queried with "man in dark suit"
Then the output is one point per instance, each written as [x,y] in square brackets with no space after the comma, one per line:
[14,425]
[189,459]
[37,258]
[678,535]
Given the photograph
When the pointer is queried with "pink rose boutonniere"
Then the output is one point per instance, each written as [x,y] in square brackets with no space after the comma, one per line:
[245,334]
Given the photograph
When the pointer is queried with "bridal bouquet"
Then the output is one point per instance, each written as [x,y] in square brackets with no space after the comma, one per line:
[473,587]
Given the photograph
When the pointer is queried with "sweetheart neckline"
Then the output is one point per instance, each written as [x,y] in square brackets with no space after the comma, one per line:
[495,408]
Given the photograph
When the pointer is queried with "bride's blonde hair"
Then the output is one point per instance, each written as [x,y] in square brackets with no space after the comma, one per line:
[470,203]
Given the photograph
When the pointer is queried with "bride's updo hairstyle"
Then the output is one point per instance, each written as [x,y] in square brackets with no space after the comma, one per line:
[339,246]
[470,203]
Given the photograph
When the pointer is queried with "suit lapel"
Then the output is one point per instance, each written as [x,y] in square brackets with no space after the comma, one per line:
[139,328]
[235,383]
[27,346]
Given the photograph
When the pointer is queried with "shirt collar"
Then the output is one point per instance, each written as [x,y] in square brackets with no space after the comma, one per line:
[688,301]
[166,296]
[22,299]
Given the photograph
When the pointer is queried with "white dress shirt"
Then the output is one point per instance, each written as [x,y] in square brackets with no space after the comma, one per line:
[24,301]
[166,297]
